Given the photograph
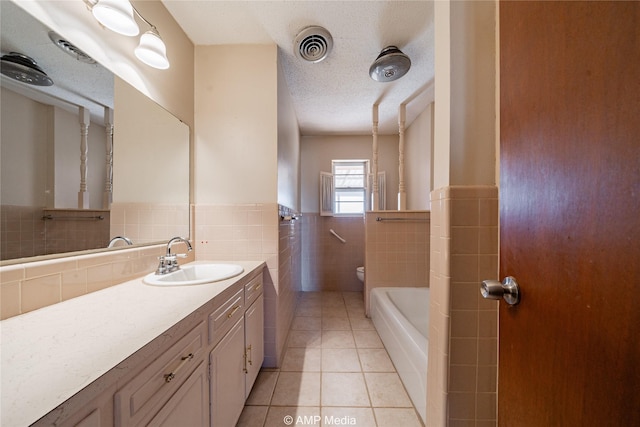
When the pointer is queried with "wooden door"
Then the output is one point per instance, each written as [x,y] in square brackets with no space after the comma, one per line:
[570,213]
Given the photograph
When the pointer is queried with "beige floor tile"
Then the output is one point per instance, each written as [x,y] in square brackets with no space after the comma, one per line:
[332,297]
[367,339]
[386,390]
[309,309]
[252,416]
[297,389]
[340,360]
[281,416]
[336,323]
[337,339]
[356,311]
[375,360]
[301,359]
[361,322]
[359,417]
[306,323]
[334,310]
[308,339]
[263,388]
[394,417]
[344,389]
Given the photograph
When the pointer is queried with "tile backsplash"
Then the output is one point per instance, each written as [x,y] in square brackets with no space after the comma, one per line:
[32,285]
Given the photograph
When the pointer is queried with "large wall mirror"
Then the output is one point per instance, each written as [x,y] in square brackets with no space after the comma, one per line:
[86,159]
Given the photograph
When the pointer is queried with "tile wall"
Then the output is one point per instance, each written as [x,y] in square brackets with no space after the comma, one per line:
[462,386]
[24,233]
[397,249]
[329,264]
[29,286]
[252,232]
[149,222]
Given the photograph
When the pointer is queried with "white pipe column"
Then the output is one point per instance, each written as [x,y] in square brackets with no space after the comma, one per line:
[83,194]
[374,172]
[402,195]
[107,196]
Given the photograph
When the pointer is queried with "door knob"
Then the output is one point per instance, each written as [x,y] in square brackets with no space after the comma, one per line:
[508,289]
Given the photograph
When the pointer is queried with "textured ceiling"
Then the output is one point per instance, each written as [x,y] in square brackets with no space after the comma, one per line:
[334,96]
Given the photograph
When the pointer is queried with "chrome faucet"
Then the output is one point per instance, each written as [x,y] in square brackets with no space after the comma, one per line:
[113,241]
[169,262]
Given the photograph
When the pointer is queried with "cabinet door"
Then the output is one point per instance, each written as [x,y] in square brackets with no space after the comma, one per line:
[189,406]
[254,330]
[228,378]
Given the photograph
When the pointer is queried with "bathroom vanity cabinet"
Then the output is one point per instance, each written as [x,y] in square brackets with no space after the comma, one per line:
[197,373]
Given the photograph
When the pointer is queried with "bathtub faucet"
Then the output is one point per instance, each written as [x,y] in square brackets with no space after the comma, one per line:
[169,262]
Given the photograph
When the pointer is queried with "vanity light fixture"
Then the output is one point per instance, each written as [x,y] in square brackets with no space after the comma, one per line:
[119,16]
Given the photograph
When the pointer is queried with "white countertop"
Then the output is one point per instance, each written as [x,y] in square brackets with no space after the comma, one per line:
[50,354]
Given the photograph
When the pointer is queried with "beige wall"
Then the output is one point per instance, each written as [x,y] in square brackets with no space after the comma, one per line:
[236,124]
[41,164]
[418,144]
[288,148]
[244,124]
[23,144]
[151,151]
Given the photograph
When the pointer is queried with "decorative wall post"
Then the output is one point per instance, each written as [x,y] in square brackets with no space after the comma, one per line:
[374,191]
[107,196]
[83,194]
[402,195]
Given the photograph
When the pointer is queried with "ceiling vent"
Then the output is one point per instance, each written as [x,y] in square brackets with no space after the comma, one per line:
[70,49]
[313,44]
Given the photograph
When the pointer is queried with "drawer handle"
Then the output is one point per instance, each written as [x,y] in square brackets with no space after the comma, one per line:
[250,355]
[171,375]
[258,286]
[233,312]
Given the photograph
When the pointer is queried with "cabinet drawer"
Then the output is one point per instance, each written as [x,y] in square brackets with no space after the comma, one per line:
[225,316]
[252,290]
[143,396]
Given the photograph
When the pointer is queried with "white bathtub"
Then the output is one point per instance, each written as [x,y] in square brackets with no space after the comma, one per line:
[401,317]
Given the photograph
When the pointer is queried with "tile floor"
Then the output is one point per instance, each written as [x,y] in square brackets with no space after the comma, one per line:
[335,371]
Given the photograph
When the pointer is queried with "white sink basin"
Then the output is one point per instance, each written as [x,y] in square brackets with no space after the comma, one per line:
[195,274]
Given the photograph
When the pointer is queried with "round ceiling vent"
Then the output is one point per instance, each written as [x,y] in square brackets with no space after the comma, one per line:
[313,44]
[70,49]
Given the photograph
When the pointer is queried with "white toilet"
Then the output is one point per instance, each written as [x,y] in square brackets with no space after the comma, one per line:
[360,273]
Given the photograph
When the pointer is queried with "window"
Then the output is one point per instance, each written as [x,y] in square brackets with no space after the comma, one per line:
[347,190]
[350,186]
